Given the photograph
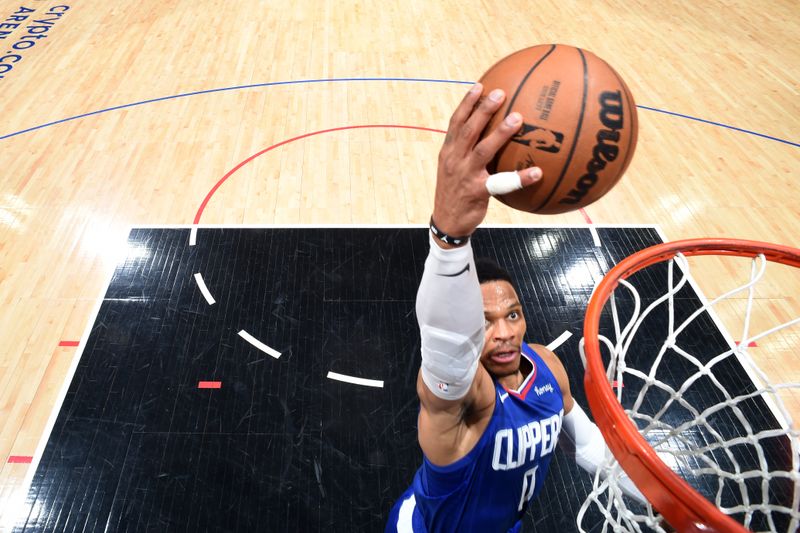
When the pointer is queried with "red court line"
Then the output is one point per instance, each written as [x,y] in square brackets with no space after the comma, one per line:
[304,136]
[209,385]
[585,216]
[69,343]
[751,344]
[20,459]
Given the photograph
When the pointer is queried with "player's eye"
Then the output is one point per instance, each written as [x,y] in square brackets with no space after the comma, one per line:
[513,315]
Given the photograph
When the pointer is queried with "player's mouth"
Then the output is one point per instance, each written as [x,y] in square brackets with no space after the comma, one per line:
[502,357]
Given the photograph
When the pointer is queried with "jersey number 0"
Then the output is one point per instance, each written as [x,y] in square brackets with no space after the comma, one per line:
[528,485]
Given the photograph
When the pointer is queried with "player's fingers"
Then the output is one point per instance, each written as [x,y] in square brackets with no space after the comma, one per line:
[531,176]
[480,117]
[463,111]
[486,149]
[506,182]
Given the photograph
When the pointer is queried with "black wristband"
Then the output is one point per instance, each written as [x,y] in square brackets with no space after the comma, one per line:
[448,239]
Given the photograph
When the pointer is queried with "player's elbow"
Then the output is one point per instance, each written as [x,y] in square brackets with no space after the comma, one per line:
[449,361]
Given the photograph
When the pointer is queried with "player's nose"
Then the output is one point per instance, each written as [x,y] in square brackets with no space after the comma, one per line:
[503,330]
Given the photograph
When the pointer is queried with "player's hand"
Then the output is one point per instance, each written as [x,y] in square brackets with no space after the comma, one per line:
[462,198]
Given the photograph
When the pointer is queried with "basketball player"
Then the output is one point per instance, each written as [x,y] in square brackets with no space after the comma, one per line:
[492,408]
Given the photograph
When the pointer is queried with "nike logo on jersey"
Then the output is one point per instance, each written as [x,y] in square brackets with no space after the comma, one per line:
[465,269]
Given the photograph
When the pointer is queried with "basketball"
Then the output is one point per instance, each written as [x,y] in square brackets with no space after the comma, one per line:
[579,125]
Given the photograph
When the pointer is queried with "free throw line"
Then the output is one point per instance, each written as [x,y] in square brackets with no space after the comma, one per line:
[559,341]
[260,345]
[355,380]
[198,278]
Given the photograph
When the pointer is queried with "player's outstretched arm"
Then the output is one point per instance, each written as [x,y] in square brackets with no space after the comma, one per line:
[449,302]
[591,450]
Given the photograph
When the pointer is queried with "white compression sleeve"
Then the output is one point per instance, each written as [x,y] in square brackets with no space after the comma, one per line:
[451,323]
[591,450]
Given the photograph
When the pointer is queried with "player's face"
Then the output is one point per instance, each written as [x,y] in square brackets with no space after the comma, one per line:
[505,328]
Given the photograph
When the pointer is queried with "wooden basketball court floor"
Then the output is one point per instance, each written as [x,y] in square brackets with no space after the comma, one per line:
[140,113]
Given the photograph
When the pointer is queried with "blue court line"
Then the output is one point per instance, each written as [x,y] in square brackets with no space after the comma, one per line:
[749,132]
[334,80]
[236,87]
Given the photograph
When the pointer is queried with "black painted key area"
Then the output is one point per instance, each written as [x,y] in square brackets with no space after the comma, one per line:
[175,422]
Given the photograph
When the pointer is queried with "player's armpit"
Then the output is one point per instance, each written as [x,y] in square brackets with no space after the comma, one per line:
[447,429]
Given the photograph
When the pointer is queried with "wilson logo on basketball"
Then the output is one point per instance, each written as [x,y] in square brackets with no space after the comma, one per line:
[606,150]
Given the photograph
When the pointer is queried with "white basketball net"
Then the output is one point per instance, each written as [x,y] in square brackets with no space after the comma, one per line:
[746,490]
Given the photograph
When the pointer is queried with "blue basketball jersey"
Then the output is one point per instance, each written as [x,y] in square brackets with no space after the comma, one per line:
[489,489]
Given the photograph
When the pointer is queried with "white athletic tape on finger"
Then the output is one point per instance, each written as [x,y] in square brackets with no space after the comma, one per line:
[503,183]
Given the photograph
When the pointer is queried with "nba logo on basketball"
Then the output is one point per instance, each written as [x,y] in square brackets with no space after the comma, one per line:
[539,138]
[442,386]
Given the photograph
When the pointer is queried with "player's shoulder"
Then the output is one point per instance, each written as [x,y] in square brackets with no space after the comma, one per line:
[559,372]
[550,359]
[545,353]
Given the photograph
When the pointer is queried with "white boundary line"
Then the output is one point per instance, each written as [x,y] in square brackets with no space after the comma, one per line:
[592,227]
[356,381]
[595,235]
[387,226]
[661,233]
[712,312]
[15,506]
[260,345]
[198,278]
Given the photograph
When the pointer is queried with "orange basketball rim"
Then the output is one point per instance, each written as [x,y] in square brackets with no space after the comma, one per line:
[683,507]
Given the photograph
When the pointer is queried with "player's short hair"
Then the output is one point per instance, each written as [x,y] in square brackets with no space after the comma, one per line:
[488,270]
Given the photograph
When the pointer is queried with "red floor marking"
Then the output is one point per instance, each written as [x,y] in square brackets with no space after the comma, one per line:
[21,459]
[69,343]
[209,385]
[304,136]
[751,344]
[585,216]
